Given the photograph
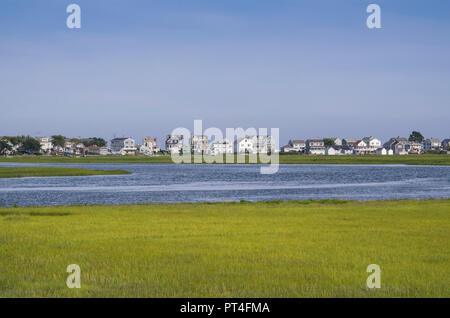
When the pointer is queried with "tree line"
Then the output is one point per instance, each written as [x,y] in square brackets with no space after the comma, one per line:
[30,145]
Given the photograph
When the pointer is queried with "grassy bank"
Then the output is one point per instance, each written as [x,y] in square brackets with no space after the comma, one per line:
[284,159]
[7,172]
[273,249]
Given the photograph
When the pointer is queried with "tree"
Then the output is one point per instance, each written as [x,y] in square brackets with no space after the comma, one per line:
[416,136]
[15,140]
[58,140]
[30,145]
[328,142]
[99,141]
[75,141]
[94,141]
[4,146]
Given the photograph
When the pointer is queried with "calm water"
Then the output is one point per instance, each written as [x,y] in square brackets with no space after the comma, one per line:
[193,183]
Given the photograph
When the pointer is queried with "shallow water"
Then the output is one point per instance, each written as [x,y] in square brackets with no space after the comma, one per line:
[195,183]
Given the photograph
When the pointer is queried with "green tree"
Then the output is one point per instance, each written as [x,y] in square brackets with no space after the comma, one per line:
[416,136]
[94,141]
[328,142]
[30,145]
[15,140]
[58,140]
[4,146]
[75,141]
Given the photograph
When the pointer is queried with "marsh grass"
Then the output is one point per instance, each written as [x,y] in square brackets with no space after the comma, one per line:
[21,172]
[262,249]
[425,159]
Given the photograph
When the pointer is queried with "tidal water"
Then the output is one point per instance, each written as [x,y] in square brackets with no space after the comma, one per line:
[196,183]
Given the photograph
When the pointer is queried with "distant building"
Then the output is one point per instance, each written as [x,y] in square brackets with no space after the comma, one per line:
[332,151]
[220,147]
[315,146]
[103,151]
[149,146]
[390,144]
[199,144]
[264,144]
[431,144]
[445,144]
[294,145]
[414,147]
[383,151]
[123,146]
[372,143]
[337,141]
[349,142]
[174,143]
[361,148]
[245,146]
[400,148]
[346,150]
[46,144]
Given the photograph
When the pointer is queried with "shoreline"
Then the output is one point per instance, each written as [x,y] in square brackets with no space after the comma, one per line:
[42,172]
[332,202]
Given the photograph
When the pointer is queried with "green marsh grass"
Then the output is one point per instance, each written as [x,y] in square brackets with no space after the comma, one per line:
[271,249]
[21,172]
[426,159]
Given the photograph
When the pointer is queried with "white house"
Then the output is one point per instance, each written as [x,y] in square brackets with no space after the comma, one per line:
[199,143]
[46,144]
[337,141]
[332,151]
[294,145]
[263,144]
[414,147]
[103,151]
[372,143]
[361,148]
[315,146]
[381,151]
[123,146]
[149,146]
[431,144]
[245,146]
[220,147]
[174,143]
[346,150]
[349,142]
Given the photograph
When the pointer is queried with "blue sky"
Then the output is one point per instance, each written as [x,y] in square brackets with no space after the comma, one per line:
[143,68]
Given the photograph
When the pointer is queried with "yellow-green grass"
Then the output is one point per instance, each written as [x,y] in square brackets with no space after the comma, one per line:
[426,159]
[272,249]
[13,172]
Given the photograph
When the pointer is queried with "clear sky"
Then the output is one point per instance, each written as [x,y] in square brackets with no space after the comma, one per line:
[143,68]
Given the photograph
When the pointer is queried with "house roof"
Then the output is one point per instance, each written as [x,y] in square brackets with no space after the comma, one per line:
[297,141]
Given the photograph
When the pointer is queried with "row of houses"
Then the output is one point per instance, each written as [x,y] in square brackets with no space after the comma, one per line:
[364,146]
[198,144]
[70,148]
